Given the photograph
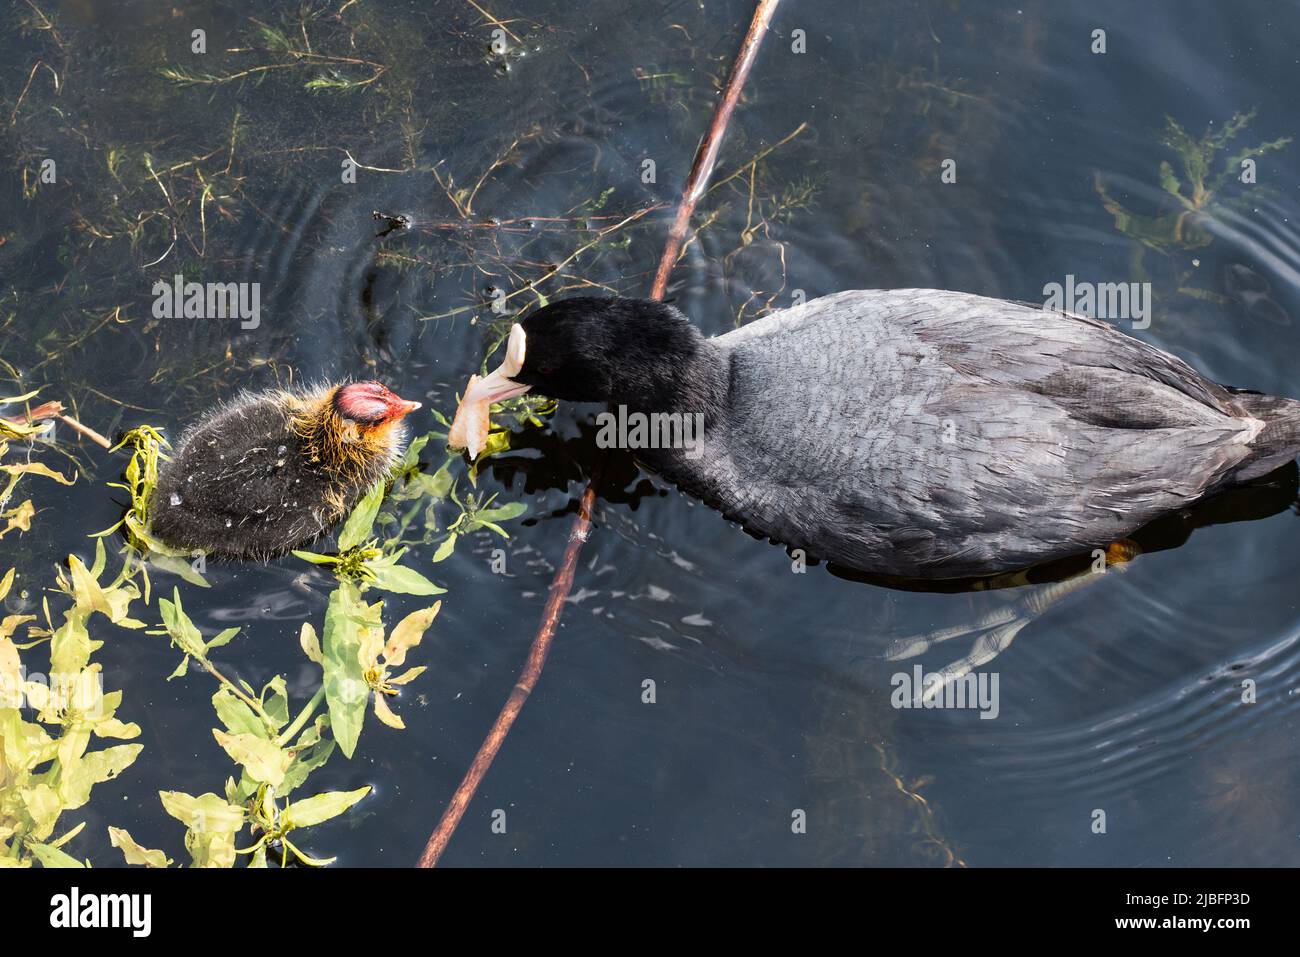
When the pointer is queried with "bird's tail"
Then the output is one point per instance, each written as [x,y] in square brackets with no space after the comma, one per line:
[1279,441]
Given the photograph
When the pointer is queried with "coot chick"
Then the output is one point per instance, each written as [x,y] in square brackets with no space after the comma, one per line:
[272,471]
[913,433]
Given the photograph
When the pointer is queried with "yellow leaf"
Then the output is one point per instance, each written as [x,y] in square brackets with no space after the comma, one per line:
[35,468]
[43,806]
[11,673]
[310,643]
[211,825]
[410,674]
[386,715]
[19,518]
[408,633]
[86,590]
[50,856]
[264,760]
[322,807]
[69,836]
[133,852]
[11,623]
[113,728]
[93,768]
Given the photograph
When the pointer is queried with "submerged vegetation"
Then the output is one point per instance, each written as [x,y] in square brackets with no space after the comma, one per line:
[1206,186]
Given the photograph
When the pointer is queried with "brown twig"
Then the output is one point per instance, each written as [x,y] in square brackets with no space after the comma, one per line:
[707,154]
[54,410]
[86,430]
[705,157]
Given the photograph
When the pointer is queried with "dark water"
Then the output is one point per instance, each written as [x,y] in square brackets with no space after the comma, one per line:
[772,687]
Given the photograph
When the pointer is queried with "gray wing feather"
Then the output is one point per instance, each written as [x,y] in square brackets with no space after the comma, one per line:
[938,434]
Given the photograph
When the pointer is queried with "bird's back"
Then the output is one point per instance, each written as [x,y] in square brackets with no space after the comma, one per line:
[935,434]
[240,486]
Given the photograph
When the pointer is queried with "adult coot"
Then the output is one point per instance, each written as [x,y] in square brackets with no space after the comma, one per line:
[913,433]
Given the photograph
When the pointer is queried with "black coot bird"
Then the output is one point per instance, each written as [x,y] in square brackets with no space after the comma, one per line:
[272,471]
[912,433]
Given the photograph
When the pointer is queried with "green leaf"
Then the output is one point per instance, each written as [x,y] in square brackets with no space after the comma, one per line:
[412,457]
[238,717]
[178,566]
[211,825]
[70,645]
[307,858]
[357,528]
[101,559]
[322,807]
[222,638]
[180,629]
[310,753]
[316,559]
[436,485]
[445,548]
[264,760]
[501,514]
[69,836]
[346,691]
[95,767]
[405,581]
[275,701]
[53,857]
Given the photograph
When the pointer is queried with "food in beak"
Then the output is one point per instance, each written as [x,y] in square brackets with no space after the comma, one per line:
[469,430]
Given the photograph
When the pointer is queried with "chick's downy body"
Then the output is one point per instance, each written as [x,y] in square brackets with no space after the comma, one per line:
[272,471]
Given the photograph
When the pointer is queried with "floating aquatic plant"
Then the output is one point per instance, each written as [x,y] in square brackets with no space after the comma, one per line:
[47,764]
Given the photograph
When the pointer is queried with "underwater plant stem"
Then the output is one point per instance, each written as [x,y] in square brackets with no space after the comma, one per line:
[706,156]
[254,705]
[304,716]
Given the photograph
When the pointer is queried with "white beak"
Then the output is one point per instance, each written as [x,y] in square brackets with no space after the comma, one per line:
[497,386]
[469,429]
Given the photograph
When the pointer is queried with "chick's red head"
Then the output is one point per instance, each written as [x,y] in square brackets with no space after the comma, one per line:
[371,404]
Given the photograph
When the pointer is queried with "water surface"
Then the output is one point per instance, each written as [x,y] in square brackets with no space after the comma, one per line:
[773,692]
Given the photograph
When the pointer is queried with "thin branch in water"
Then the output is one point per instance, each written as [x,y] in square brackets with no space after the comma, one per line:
[85,430]
[705,158]
[600,235]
